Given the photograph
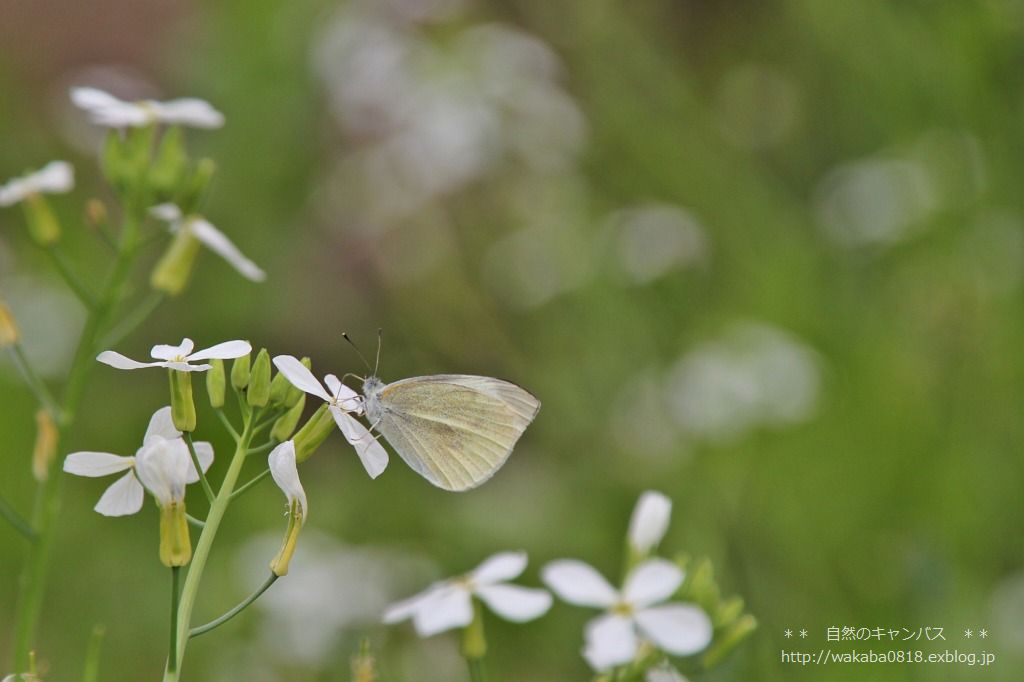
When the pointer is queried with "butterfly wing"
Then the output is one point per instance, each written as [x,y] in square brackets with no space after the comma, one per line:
[455,430]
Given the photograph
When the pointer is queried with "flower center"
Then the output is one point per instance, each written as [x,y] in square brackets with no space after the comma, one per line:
[622,609]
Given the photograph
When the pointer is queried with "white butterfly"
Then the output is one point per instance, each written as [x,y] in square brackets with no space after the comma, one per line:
[455,430]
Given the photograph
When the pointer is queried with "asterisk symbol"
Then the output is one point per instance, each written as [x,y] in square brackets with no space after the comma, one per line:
[968,633]
[803,633]
[983,633]
[788,633]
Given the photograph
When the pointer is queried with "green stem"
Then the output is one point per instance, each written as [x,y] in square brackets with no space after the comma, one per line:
[255,479]
[34,381]
[227,424]
[476,670]
[198,523]
[73,281]
[47,507]
[203,629]
[206,538]
[474,644]
[16,520]
[172,659]
[195,461]
[91,670]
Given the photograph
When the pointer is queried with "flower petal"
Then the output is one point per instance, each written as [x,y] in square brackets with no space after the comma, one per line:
[371,453]
[679,629]
[407,608]
[92,99]
[94,464]
[163,467]
[346,398]
[167,212]
[163,351]
[578,583]
[499,568]
[54,177]
[300,377]
[286,474]
[649,521]
[161,425]
[652,582]
[118,361]
[204,453]
[218,242]
[610,641]
[228,350]
[124,497]
[448,607]
[515,603]
[664,673]
[188,111]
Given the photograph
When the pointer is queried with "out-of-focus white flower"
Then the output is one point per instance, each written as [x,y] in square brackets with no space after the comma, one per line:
[125,495]
[637,611]
[55,177]
[178,357]
[211,237]
[752,375]
[21,677]
[341,400]
[649,521]
[665,673]
[654,240]
[449,604]
[106,110]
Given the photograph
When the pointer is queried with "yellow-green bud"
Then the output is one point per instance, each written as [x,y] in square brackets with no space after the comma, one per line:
[45,449]
[313,433]
[175,543]
[195,187]
[183,407]
[9,334]
[258,393]
[174,268]
[115,162]
[216,382]
[240,372]
[168,167]
[279,389]
[285,425]
[42,223]
[96,214]
[279,566]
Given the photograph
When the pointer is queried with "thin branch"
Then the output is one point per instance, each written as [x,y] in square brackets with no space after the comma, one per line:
[202,474]
[16,520]
[203,629]
[227,424]
[73,281]
[34,381]
[255,479]
[195,522]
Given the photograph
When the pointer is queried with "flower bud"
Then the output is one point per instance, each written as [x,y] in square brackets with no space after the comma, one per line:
[285,425]
[279,389]
[115,162]
[96,214]
[258,392]
[168,169]
[240,372]
[364,665]
[43,226]
[313,433]
[9,334]
[175,543]
[279,566]
[45,449]
[183,407]
[196,186]
[174,268]
[728,640]
[216,382]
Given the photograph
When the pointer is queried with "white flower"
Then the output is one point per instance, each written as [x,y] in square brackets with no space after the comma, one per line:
[665,673]
[21,677]
[637,611]
[448,604]
[178,357]
[106,110]
[649,522]
[340,400]
[125,495]
[55,177]
[214,239]
[286,475]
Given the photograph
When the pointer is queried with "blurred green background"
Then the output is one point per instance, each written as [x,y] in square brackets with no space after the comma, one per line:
[765,257]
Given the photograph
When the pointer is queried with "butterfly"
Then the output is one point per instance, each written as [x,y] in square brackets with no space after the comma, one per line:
[455,430]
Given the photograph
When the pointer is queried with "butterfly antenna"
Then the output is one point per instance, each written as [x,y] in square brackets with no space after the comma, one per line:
[380,339]
[362,357]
